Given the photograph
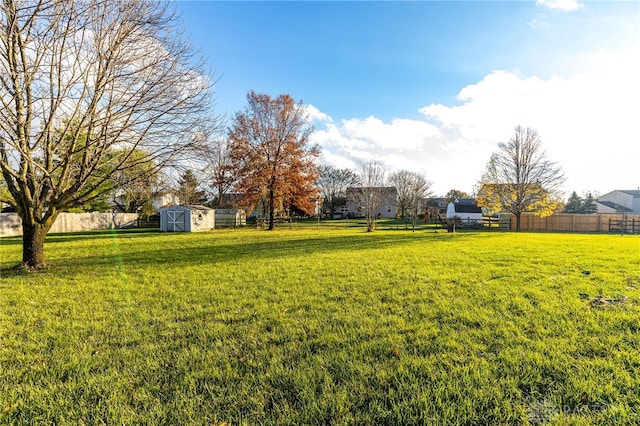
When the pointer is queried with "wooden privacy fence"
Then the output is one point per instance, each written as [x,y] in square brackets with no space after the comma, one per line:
[600,222]
[10,223]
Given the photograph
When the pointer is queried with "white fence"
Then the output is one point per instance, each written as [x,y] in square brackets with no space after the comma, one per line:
[10,223]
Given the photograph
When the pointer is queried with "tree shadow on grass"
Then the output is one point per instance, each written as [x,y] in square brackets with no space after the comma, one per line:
[85,235]
[157,248]
[12,271]
[102,234]
[17,269]
[218,252]
[11,241]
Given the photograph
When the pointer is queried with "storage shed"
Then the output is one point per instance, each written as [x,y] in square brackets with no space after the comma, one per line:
[187,218]
[467,212]
[230,218]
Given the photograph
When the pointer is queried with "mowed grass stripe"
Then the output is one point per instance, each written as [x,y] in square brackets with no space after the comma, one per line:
[321,327]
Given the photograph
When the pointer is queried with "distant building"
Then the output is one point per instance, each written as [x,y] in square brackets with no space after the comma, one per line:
[165,199]
[620,201]
[466,210]
[437,204]
[388,208]
[436,209]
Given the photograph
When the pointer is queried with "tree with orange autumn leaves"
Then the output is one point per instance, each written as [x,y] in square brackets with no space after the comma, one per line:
[270,157]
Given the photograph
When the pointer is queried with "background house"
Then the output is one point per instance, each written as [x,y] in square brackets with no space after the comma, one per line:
[620,201]
[165,199]
[388,208]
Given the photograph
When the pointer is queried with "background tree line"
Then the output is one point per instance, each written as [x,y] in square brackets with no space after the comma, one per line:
[577,204]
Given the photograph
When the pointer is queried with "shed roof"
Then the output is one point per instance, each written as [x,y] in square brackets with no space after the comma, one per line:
[188,207]
[467,208]
[465,201]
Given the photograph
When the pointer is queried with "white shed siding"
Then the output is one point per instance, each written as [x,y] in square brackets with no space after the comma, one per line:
[187,219]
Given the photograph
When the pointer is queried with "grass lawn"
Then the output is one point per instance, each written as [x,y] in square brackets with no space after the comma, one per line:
[322,326]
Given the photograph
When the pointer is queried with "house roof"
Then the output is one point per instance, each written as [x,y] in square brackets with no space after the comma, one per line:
[633,192]
[616,207]
[360,188]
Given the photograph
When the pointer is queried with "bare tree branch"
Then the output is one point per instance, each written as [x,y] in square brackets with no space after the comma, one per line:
[413,189]
[373,193]
[333,184]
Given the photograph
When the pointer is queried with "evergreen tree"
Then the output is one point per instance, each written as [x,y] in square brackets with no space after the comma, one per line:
[589,205]
[188,189]
[574,204]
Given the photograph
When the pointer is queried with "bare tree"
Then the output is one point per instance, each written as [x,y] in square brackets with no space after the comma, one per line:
[400,180]
[135,183]
[519,178]
[373,193]
[84,85]
[219,170]
[333,184]
[413,189]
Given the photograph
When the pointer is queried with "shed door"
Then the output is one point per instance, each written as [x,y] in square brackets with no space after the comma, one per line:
[176,221]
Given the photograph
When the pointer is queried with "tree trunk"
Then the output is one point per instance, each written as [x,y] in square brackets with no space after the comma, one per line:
[371,223]
[33,245]
[518,222]
[271,203]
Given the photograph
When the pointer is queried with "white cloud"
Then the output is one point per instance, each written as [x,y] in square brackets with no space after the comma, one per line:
[316,115]
[565,5]
[587,121]
[400,144]
[538,23]
[400,134]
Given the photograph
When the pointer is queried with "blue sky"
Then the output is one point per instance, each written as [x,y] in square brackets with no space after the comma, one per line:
[434,86]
